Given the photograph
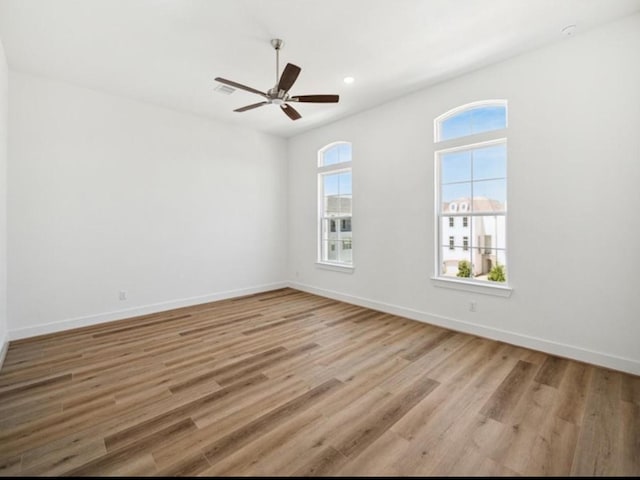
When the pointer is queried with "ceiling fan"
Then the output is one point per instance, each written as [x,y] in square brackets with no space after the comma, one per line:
[279,94]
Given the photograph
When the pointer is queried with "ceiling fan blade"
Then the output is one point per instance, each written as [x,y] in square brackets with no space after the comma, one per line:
[250,107]
[291,112]
[240,86]
[316,98]
[288,77]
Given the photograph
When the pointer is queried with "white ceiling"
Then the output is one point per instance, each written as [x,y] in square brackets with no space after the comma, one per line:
[169,51]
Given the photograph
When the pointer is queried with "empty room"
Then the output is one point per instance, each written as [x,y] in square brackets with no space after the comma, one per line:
[319,238]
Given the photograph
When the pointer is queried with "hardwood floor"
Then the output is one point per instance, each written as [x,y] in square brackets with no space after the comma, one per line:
[288,383]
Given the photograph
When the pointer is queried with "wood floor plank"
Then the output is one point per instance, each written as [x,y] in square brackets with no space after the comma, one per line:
[629,465]
[375,460]
[552,371]
[375,423]
[10,466]
[553,449]
[59,457]
[286,383]
[509,392]
[470,455]
[598,451]
[523,427]
[630,389]
[247,461]
[227,444]
[189,466]
[139,448]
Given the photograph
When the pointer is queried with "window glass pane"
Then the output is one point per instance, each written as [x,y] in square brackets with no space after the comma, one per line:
[332,251]
[491,265]
[472,121]
[490,162]
[455,197]
[447,226]
[454,262]
[344,204]
[485,119]
[455,167]
[344,150]
[330,184]
[490,196]
[458,231]
[345,250]
[489,232]
[345,183]
[331,156]
[332,206]
[456,126]
[336,154]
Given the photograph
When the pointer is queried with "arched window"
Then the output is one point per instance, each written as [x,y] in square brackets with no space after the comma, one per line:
[335,205]
[471,182]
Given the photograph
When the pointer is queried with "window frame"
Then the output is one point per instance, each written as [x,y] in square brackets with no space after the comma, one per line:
[322,170]
[466,142]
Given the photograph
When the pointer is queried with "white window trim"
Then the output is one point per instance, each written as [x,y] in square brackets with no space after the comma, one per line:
[336,267]
[474,286]
[467,142]
[320,171]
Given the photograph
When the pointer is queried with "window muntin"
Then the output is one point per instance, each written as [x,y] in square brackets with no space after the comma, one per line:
[335,204]
[471,182]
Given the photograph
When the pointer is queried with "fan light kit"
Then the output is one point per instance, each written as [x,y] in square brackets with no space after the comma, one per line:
[279,93]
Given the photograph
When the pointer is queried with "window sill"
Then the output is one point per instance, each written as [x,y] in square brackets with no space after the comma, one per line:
[474,287]
[335,267]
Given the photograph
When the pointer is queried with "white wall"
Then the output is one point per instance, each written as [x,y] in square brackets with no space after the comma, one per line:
[574,179]
[110,194]
[4,72]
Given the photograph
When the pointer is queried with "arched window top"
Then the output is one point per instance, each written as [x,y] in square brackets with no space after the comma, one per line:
[334,153]
[472,118]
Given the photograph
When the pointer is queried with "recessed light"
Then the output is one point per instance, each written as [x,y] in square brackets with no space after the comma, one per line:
[349,80]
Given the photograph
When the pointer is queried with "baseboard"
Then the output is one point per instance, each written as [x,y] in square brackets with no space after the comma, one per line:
[136,311]
[4,347]
[535,343]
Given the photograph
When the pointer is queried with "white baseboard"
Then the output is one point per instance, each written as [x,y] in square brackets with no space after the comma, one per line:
[535,343]
[136,311]
[4,347]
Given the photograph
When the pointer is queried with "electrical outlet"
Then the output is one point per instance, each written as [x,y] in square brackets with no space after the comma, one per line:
[472,306]
[122,295]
